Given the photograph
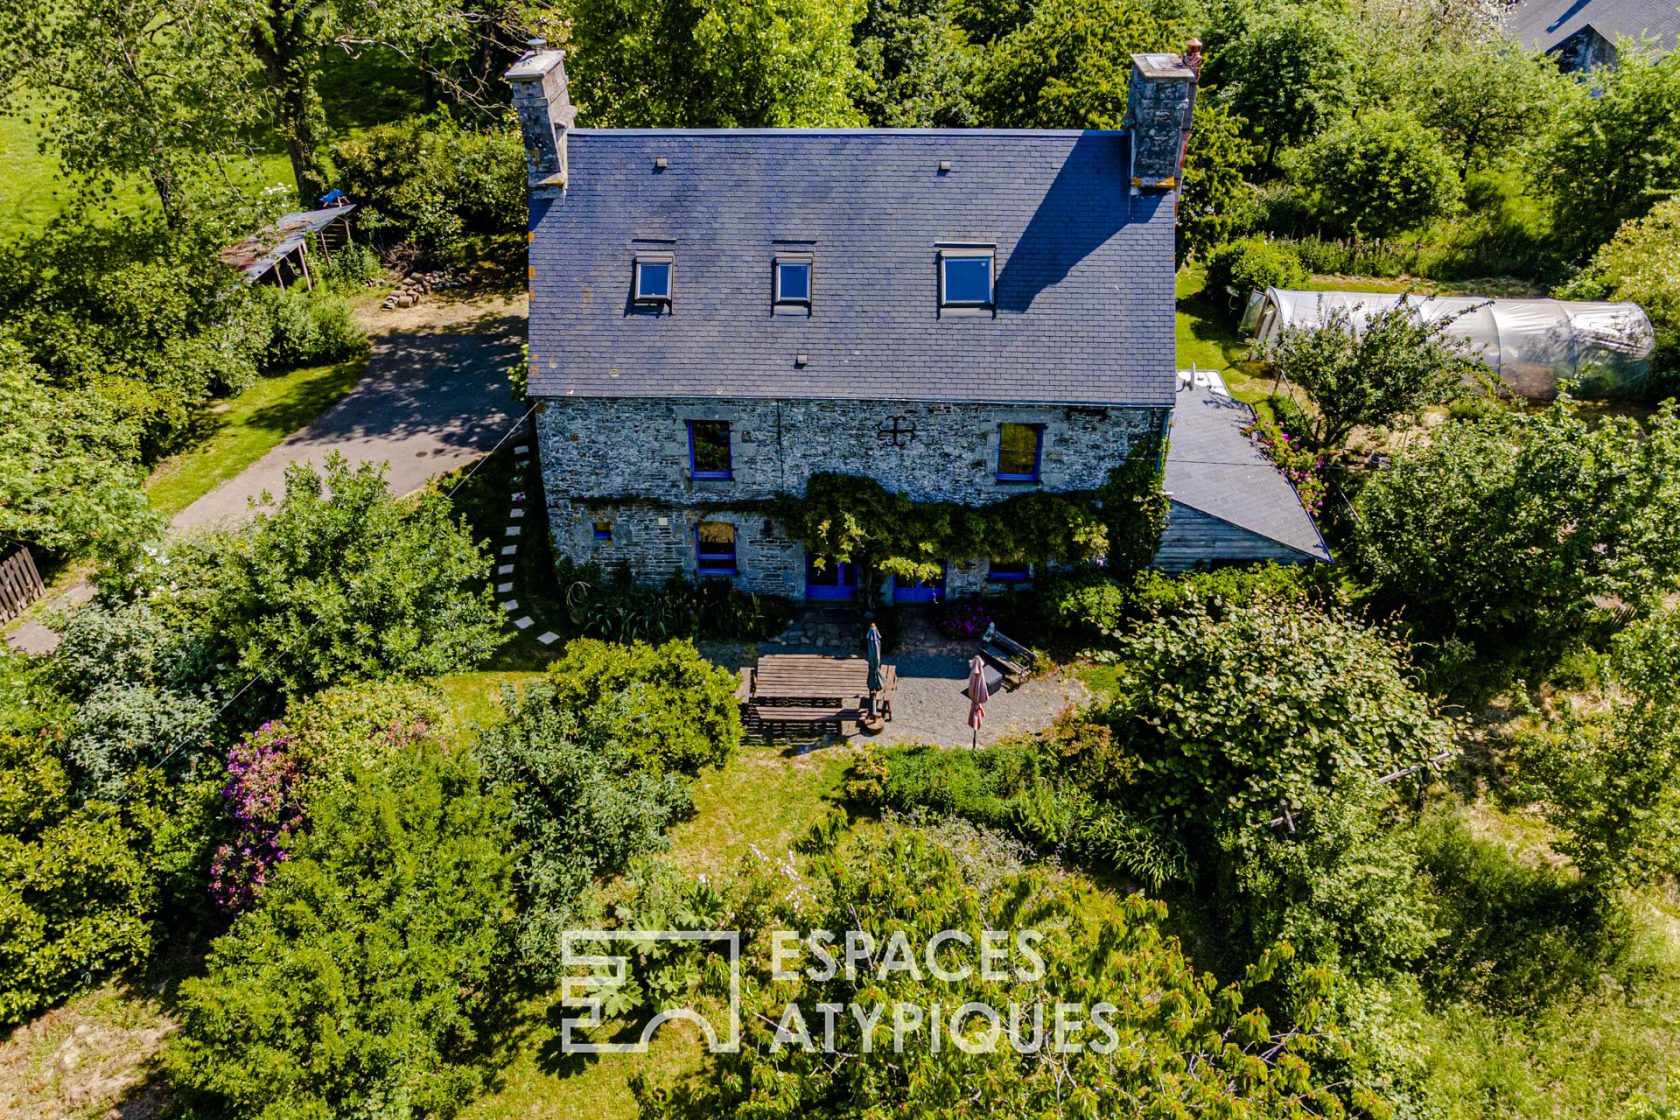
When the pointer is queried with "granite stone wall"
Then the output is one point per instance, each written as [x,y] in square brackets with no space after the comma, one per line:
[624,463]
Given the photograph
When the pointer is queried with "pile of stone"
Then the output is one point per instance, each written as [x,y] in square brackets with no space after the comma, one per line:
[415,285]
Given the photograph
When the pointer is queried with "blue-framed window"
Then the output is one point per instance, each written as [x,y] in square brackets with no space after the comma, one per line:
[965,278]
[655,277]
[1009,571]
[708,449]
[1020,451]
[793,282]
[604,531]
[714,548]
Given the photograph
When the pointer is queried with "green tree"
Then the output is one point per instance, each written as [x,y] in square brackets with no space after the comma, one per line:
[128,88]
[1615,151]
[1191,1046]
[914,61]
[68,476]
[1217,203]
[1387,369]
[340,580]
[1507,530]
[369,976]
[1484,98]
[1068,66]
[1376,174]
[714,63]
[1286,71]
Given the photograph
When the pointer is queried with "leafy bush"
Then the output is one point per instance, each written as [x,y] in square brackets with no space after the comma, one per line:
[122,728]
[309,329]
[581,806]
[1091,604]
[341,731]
[1355,257]
[351,267]
[368,975]
[1376,174]
[900,884]
[617,608]
[68,477]
[1638,264]
[1393,365]
[1270,704]
[83,886]
[1253,264]
[341,580]
[668,707]
[436,182]
[1154,592]
[1507,530]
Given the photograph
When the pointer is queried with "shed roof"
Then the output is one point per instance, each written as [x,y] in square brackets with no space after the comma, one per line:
[1084,270]
[1212,466]
[1549,22]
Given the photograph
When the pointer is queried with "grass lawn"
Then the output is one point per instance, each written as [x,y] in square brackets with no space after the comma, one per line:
[1207,336]
[247,427]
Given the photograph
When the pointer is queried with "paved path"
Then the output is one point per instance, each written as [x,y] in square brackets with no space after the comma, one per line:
[431,401]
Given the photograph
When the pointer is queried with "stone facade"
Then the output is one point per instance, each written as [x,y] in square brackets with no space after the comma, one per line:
[624,463]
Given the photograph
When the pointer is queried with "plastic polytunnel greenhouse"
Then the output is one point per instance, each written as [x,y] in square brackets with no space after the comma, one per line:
[1604,349]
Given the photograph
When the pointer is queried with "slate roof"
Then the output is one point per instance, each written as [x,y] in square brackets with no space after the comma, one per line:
[1549,22]
[1084,271]
[1213,467]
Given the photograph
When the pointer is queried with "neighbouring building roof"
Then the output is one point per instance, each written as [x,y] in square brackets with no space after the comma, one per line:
[1548,23]
[1084,269]
[1212,466]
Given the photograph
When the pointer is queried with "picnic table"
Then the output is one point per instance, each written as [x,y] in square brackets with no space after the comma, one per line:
[812,690]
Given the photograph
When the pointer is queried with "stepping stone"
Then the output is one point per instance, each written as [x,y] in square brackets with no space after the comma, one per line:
[548,637]
[511,605]
[509,549]
[522,449]
[503,588]
[516,511]
[515,530]
[524,623]
[505,570]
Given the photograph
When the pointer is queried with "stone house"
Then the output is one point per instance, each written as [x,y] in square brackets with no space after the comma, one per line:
[716,315]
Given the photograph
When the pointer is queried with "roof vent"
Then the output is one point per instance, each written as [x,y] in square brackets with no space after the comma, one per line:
[800,359]
[944,166]
[660,163]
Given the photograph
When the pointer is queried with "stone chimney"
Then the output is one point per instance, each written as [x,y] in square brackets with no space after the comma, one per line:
[1159,103]
[546,113]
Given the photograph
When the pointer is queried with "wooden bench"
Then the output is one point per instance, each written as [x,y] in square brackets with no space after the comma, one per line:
[889,678]
[773,716]
[1014,660]
[744,688]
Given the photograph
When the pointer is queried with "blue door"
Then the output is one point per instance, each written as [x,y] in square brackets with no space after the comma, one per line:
[833,581]
[921,590]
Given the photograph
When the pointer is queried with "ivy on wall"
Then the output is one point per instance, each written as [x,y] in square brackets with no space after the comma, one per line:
[853,519]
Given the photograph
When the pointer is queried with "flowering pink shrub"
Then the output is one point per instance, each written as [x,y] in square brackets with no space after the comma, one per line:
[1303,467]
[261,799]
